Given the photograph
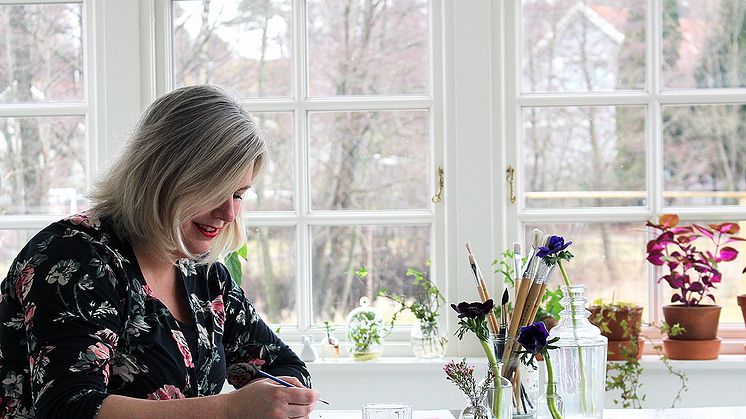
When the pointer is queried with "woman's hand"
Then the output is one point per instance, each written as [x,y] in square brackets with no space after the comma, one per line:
[265,399]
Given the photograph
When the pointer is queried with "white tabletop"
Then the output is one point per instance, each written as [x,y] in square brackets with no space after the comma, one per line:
[685,413]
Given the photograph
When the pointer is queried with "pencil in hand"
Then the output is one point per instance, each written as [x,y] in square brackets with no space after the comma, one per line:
[281,381]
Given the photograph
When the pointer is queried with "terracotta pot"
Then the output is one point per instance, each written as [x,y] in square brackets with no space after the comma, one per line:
[691,349]
[609,320]
[617,349]
[700,322]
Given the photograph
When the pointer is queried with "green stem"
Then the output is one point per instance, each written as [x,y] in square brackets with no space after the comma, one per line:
[497,380]
[583,389]
[550,388]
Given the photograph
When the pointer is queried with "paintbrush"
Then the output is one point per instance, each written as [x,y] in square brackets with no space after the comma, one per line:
[484,295]
[526,282]
[503,331]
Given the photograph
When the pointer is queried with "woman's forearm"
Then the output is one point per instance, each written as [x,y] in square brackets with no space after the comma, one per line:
[116,407]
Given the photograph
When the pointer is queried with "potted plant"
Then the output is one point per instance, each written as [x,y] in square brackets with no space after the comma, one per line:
[621,323]
[428,336]
[692,273]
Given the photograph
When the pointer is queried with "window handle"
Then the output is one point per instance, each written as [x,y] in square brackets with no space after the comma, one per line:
[510,178]
[439,194]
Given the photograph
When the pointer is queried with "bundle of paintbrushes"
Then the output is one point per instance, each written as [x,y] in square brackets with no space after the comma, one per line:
[530,286]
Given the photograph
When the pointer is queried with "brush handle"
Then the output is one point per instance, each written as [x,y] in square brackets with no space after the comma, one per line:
[515,321]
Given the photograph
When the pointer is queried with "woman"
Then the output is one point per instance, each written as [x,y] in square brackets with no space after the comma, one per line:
[109,312]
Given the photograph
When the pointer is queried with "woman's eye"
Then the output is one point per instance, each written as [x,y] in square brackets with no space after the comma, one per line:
[239,197]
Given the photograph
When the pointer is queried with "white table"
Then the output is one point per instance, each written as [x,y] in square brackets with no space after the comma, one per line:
[685,413]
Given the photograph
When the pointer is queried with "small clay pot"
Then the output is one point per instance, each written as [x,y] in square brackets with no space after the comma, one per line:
[700,321]
[613,316]
[617,349]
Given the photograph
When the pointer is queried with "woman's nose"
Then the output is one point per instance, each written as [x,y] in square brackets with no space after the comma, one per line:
[225,212]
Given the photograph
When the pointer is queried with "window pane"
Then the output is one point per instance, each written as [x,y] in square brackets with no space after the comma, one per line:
[575,46]
[704,44]
[11,243]
[584,156]
[245,46]
[269,273]
[273,191]
[704,156]
[385,251]
[42,53]
[609,259]
[733,282]
[367,48]
[42,165]
[369,160]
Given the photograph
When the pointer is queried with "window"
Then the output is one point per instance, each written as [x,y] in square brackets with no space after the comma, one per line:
[45,119]
[344,91]
[625,110]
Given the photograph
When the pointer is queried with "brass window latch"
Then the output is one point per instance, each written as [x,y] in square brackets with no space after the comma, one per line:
[439,194]
[510,178]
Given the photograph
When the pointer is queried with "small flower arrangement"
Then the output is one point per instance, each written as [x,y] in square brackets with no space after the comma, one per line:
[692,273]
[462,375]
[533,338]
[473,318]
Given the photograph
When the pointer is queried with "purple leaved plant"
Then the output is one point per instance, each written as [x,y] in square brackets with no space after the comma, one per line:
[691,272]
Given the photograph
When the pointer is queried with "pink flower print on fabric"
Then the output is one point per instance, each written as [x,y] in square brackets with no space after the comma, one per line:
[183,347]
[99,355]
[23,284]
[148,292]
[85,218]
[218,310]
[167,392]
[28,313]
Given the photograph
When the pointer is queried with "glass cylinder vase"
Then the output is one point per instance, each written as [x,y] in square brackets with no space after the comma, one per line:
[579,363]
[524,379]
[550,406]
[428,339]
[494,404]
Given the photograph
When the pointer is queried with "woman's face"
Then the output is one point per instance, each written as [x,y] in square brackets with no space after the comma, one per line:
[199,231]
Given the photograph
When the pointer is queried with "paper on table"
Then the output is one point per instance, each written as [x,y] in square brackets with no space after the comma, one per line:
[356,414]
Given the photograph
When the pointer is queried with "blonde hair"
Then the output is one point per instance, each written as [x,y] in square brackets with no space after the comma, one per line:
[191,148]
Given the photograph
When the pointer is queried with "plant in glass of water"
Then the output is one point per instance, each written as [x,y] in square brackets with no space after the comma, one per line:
[462,375]
[428,337]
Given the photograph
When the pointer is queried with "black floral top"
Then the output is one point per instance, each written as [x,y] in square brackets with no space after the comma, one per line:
[78,322]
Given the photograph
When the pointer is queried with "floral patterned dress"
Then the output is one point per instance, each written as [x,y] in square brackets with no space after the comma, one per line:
[78,322]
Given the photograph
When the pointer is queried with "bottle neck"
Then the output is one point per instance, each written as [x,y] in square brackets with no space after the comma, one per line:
[574,302]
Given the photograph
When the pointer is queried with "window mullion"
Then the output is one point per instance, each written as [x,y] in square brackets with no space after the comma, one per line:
[301,185]
[654,137]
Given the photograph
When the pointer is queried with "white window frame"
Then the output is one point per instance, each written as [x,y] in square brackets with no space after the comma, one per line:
[301,217]
[652,97]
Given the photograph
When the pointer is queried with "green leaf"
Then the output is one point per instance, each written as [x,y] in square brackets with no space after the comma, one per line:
[234,267]
[243,251]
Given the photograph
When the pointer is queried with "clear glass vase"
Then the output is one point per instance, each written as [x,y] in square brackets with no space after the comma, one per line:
[550,406]
[525,380]
[495,404]
[579,363]
[428,340]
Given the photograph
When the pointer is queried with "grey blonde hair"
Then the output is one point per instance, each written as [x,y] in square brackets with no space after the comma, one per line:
[190,150]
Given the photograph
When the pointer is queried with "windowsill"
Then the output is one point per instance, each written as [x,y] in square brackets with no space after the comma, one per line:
[384,364]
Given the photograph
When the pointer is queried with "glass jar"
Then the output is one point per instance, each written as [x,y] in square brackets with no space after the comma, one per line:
[428,339]
[579,363]
[330,347]
[524,378]
[365,332]
[554,400]
[488,406]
